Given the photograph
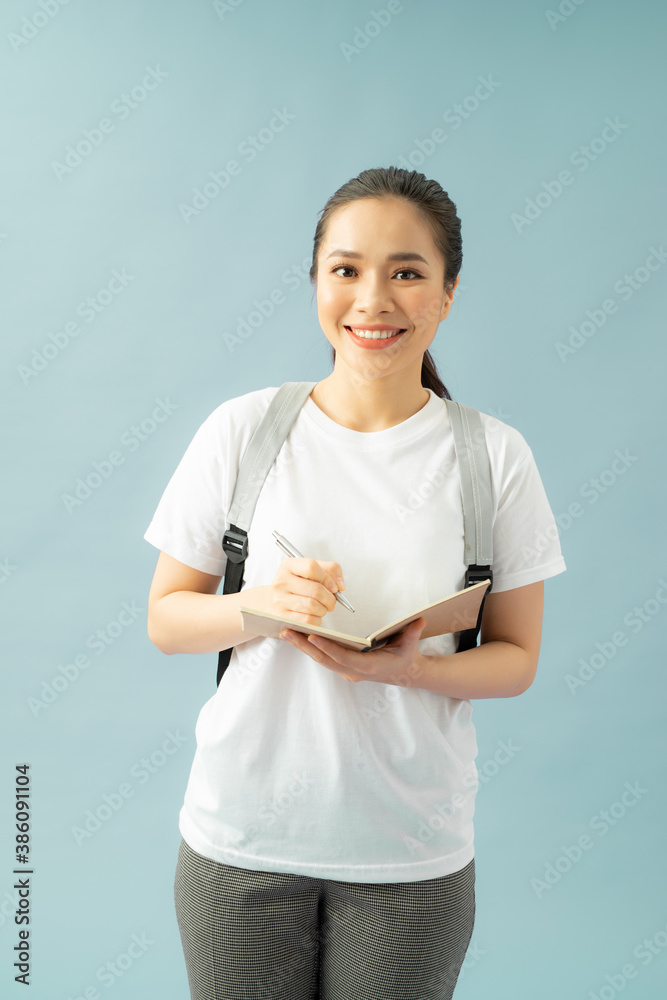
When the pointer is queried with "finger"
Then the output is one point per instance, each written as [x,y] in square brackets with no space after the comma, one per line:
[317,580]
[336,573]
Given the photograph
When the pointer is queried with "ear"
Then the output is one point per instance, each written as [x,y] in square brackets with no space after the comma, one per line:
[448,300]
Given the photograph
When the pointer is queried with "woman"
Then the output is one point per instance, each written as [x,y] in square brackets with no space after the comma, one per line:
[327,836]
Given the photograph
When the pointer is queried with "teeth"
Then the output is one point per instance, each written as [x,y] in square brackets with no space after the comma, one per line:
[375,334]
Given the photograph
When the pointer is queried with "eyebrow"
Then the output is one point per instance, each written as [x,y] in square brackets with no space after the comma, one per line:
[407,255]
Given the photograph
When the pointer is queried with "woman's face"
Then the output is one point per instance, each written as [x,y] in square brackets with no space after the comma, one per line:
[359,286]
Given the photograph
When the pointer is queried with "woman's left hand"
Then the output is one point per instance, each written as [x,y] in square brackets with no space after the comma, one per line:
[395,663]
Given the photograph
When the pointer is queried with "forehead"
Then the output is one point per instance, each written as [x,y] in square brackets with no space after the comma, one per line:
[368,219]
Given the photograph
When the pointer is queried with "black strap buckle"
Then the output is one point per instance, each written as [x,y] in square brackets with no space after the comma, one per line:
[235,544]
[475,574]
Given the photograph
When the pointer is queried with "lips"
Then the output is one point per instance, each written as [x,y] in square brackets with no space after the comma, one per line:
[377,329]
[374,343]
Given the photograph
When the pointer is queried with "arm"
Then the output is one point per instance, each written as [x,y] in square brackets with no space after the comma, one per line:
[505,662]
[187,615]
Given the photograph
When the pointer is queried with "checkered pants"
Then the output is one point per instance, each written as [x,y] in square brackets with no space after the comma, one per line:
[251,935]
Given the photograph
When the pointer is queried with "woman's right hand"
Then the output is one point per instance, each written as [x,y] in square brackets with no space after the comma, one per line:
[303,589]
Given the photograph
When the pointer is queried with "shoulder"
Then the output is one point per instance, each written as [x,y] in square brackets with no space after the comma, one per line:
[235,419]
[243,407]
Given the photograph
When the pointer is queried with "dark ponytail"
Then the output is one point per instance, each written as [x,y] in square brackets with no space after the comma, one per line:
[440,213]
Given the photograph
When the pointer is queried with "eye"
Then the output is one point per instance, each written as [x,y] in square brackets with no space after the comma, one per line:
[348,267]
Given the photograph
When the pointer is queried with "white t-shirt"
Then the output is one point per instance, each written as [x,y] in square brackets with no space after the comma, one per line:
[297,769]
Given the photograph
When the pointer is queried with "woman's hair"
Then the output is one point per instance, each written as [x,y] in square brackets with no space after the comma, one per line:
[439,212]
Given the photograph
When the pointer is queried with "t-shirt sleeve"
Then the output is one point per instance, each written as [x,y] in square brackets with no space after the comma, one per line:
[191,517]
[526,546]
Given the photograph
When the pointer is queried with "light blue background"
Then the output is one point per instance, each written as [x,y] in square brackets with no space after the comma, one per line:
[163,337]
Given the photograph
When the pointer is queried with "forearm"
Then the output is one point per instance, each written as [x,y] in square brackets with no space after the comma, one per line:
[190,622]
[495,669]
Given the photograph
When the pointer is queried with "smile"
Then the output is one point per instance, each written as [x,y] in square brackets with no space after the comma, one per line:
[374,339]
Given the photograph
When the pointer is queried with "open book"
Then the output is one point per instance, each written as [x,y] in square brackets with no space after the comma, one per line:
[455,613]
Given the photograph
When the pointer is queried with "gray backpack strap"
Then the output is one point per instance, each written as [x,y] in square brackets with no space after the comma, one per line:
[263,447]
[473,460]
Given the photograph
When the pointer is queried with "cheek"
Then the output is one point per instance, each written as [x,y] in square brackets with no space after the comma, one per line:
[329,298]
[426,312]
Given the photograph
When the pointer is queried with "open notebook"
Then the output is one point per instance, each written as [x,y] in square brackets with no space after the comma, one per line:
[455,613]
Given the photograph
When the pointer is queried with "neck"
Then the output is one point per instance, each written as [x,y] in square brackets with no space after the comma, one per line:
[368,405]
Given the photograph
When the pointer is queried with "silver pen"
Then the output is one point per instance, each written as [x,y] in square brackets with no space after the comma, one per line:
[289,550]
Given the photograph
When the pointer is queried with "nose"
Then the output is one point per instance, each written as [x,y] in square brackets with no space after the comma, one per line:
[374,295]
